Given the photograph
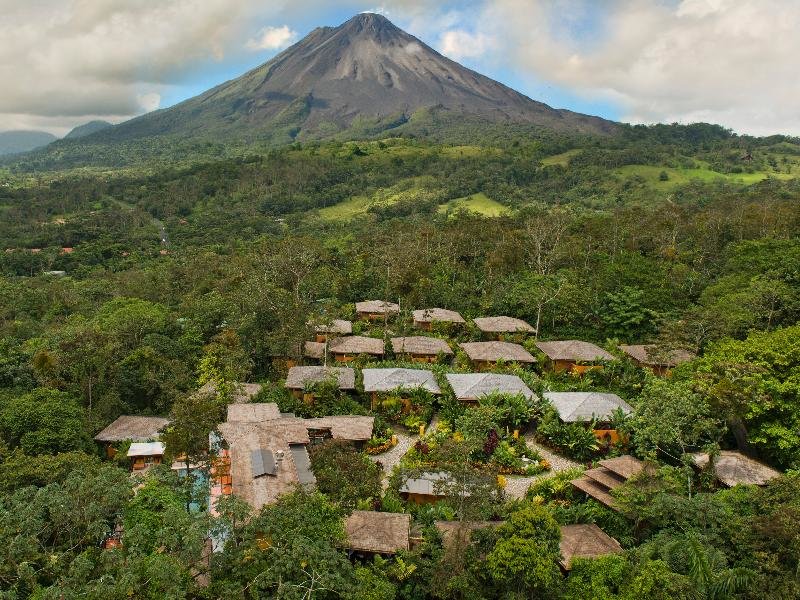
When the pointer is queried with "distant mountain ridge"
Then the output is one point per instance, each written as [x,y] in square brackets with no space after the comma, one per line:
[367,73]
[15,142]
[87,129]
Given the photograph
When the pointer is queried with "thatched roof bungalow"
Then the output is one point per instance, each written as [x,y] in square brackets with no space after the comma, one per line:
[612,473]
[372,310]
[424,318]
[486,354]
[659,360]
[370,532]
[299,377]
[471,387]
[242,392]
[586,406]
[502,324]
[585,541]
[734,468]
[345,349]
[332,328]
[574,355]
[420,348]
[132,428]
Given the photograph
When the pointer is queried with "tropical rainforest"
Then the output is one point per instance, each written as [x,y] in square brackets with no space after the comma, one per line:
[131,275]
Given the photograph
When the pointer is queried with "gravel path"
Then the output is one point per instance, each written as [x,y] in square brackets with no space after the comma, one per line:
[516,487]
[391,458]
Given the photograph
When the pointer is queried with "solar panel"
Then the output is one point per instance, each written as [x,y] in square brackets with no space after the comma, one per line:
[263,462]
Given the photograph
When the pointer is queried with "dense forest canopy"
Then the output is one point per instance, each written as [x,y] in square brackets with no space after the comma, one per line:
[131,275]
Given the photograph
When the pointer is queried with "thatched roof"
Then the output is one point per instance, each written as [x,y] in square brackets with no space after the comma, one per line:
[420,344]
[654,356]
[472,386]
[377,307]
[574,350]
[584,406]
[145,449]
[734,468]
[242,392]
[431,315]
[494,351]
[255,412]
[352,428]
[378,532]
[356,344]
[585,541]
[314,350]
[131,427]
[387,380]
[626,466]
[338,326]
[502,324]
[299,377]
[247,441]
[450,530]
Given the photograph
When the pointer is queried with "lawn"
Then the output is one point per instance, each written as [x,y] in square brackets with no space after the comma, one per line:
[651,175]
[560,159]
[478,203]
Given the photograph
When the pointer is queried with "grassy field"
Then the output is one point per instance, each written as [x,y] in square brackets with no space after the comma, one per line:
[677,177]
[477,203]
[560,159]
[413,189]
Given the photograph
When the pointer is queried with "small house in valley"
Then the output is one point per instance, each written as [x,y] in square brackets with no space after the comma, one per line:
[734,468]
[302,380]
[657,359]
[345,349]
[426,317]
[497,327]
[145,454]
[585,541]
[130,428]
[471,387]
[420,348]
[574,356]
[612,473]
[378,382]
[333,328]
[376,310]
[485,355]
[372,533]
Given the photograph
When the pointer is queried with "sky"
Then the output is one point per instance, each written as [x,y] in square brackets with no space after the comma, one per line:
[732,62]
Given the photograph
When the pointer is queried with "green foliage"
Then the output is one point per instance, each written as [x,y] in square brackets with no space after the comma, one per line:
[344,474]
[44,421]
[574,439]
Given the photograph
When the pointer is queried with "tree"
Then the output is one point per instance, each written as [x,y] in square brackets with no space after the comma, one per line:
[44,421]
[525,558]
[345,475]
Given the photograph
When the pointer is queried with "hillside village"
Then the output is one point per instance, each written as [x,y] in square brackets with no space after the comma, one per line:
[515,413]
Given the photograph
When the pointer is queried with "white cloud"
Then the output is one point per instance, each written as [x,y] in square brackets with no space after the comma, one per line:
[273,38]
[459,44]
[149,101]
[732,62]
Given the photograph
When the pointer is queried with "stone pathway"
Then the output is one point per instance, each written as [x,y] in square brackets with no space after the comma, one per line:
[391,458]
[516,487]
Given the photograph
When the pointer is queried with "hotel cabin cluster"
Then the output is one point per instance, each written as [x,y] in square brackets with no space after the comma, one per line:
[259,453]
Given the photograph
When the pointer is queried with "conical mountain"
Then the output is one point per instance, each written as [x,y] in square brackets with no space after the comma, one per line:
[365,73]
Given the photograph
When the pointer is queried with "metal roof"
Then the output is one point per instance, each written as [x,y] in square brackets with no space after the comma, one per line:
[585,406]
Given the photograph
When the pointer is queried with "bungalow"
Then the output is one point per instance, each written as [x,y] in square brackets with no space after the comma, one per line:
[574,355]
[420,348]
[573,407]
[585,541]
[300,379]
[266,452]
[734,468]
[146,454]
[497,327]
[658,360]
[376,310]
[315,350]
[345,349]
[457,533]
[484,355]
[612,473]
[371,533]
[471,387]
[335,327]
[381,381]
[130,428]
[426,317]
[428,488]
